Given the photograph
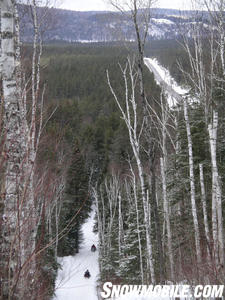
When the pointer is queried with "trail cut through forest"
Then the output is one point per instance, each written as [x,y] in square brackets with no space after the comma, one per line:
[70,283]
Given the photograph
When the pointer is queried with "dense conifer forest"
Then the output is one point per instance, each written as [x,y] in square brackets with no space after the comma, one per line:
[90,125]
[86,111]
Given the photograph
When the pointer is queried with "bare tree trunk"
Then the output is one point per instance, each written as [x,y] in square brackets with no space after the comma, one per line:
[220,225]
[120,221]
[204,208]
[112,191]
[151,262]
[58,206]
[163,165]
[167,218]
[217,220]
[212,128]
[21,147]
[192,183]
[138,223]
[206,72]
[12,202]
[157,225]
[100,227]
[130,118]
[146,217]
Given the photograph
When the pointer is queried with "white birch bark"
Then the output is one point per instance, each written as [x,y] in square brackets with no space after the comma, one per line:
[100,227]
[220,224]
[130,118]
[167,218]
[58,206]
[217,218]
[120,221]
[103,221]
[150,246]
[18,231]
[212,128]
[192,183]
[12,121]
[163,165]
[204,208]
[222,42]
[204,77]
[138,223]
[21,226]
[112,191]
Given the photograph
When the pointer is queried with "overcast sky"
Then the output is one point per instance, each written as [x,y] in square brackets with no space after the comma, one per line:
[85,5]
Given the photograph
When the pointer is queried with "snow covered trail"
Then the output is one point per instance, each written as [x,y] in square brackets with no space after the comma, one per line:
[70,282]
[164,79]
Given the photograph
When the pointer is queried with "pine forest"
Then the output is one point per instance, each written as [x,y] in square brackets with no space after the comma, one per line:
[98,128]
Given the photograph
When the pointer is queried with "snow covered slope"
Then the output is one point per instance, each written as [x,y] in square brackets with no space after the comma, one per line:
[164,79]
[70,282]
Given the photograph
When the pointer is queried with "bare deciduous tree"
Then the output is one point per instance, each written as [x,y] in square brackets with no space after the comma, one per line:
[130,118]
[23,130]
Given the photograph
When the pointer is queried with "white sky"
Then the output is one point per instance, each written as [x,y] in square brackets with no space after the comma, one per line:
[85,5]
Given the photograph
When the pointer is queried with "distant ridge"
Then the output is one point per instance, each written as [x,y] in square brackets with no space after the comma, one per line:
[104,26]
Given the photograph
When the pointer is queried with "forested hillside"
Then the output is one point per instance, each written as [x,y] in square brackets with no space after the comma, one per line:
[104,144]
[85,124]
[105,26]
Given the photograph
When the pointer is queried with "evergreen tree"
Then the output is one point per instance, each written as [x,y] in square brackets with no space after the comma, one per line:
[76,206]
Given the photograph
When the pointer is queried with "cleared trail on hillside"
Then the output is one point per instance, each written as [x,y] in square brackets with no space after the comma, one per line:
[167,83]
[70,282]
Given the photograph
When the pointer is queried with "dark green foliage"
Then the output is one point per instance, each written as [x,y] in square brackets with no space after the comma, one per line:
[129,265]
[77,81]
[93,128]
[76,206]
[169,53]
[47,264]
[87,112]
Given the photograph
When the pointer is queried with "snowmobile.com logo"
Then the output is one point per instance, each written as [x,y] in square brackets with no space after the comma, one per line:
[111,291]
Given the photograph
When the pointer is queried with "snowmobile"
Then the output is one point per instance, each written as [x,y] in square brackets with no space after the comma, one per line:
[93,248]
[87,274]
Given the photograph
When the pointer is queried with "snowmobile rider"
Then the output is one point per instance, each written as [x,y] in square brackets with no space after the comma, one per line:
[87,274]
[93,248]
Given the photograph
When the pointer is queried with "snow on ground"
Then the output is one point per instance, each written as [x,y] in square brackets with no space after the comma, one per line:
[163,21]
[172,89]
[165,75]
[70,282]
[156,31]
[163,78]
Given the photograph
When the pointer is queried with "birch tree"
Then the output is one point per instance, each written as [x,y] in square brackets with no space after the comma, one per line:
[15,138]
[166,117]
[192,183]
[216,11]
[217,220]
[138,223]
[207,78]
[139,12]
[204,208]
[130,118]
[23,133]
